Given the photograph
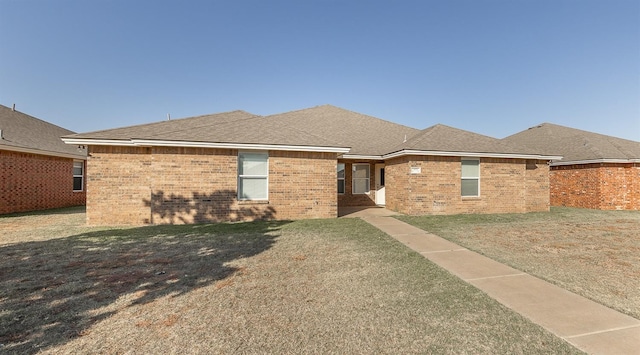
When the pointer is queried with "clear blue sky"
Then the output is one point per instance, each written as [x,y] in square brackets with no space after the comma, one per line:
[494,67]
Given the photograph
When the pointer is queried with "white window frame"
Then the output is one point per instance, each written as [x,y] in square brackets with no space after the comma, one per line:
[343,179]
[462,177]
[79,163]
[242,177]
[354,178]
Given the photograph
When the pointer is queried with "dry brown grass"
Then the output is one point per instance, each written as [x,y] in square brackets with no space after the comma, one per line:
[321,286]
[593,253]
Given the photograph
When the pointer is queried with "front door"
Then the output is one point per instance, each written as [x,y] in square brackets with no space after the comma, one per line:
[380,184]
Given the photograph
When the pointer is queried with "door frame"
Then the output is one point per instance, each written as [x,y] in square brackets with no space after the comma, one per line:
[380,182]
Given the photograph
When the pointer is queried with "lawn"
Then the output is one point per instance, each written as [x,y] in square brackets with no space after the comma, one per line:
[317,286]
[593,253]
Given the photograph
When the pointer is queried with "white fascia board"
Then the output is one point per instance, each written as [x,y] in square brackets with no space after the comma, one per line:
[43,152]
[84,141]
[164,143]
[470,155]
[297,148]
[361,157]
[594,161]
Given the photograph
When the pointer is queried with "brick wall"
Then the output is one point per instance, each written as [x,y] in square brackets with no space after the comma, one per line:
[537,186]
[30,182]
[118,183]
[602,186]
[192,185]
[506,186]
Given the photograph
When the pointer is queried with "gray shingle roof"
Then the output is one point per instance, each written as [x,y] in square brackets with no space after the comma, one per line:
[365,135]
[320,126]
[443,138]
[574,144]
[26,133]
[227,127]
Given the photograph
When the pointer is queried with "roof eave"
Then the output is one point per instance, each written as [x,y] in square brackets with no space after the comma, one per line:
[190,144]
[470,154]
[594,161]
[361,157]
[43,152]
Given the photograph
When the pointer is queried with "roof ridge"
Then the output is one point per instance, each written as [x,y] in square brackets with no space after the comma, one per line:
[209,124]
[165,121]
[36,118]
[343,109]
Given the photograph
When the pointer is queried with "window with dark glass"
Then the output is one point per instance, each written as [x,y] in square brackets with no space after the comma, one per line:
[78,175]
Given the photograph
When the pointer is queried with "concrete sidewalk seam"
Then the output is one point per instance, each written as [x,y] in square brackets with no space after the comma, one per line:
[601,331]
[496,277]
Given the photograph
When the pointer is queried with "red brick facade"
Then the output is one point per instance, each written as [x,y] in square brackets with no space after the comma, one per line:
[434,187]
[162,185]
[30,182]
[604,186]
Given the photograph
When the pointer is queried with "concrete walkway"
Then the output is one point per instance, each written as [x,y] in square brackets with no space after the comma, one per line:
[587,325]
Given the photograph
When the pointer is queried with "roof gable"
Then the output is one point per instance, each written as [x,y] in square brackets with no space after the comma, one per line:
[574,144]
[21,132]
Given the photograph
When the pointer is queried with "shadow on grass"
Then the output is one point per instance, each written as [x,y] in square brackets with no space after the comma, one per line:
[53,291]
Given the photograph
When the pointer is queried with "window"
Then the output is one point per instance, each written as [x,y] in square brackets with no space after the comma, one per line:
[78,175]
[470,178]
[253,172]
[341,178]
[360,179]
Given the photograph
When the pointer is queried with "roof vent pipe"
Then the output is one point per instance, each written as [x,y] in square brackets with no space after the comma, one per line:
[168,117]
[1,135]
[13,108]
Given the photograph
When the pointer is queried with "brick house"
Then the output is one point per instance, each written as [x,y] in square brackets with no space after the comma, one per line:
[37,170]
[596,171]
[236,166]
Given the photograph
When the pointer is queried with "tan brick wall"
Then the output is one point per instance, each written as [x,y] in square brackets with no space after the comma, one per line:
[30,182]
[506,186]
[596,186]
[194,185]
[303,184]
[537,186]
[118,184]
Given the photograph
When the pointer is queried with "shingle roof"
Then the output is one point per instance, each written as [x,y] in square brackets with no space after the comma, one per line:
[320,126]
[574,144]
[227,127]
[443,138]
[365,135]
[26,133]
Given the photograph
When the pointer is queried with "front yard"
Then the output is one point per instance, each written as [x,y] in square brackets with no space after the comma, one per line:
[319,286]
[595,254]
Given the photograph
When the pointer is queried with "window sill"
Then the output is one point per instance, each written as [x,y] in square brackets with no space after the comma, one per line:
[253,202]
[471,198]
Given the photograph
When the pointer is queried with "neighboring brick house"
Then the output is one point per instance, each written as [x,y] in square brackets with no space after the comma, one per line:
[596,171]
[37,170]
[236,166]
